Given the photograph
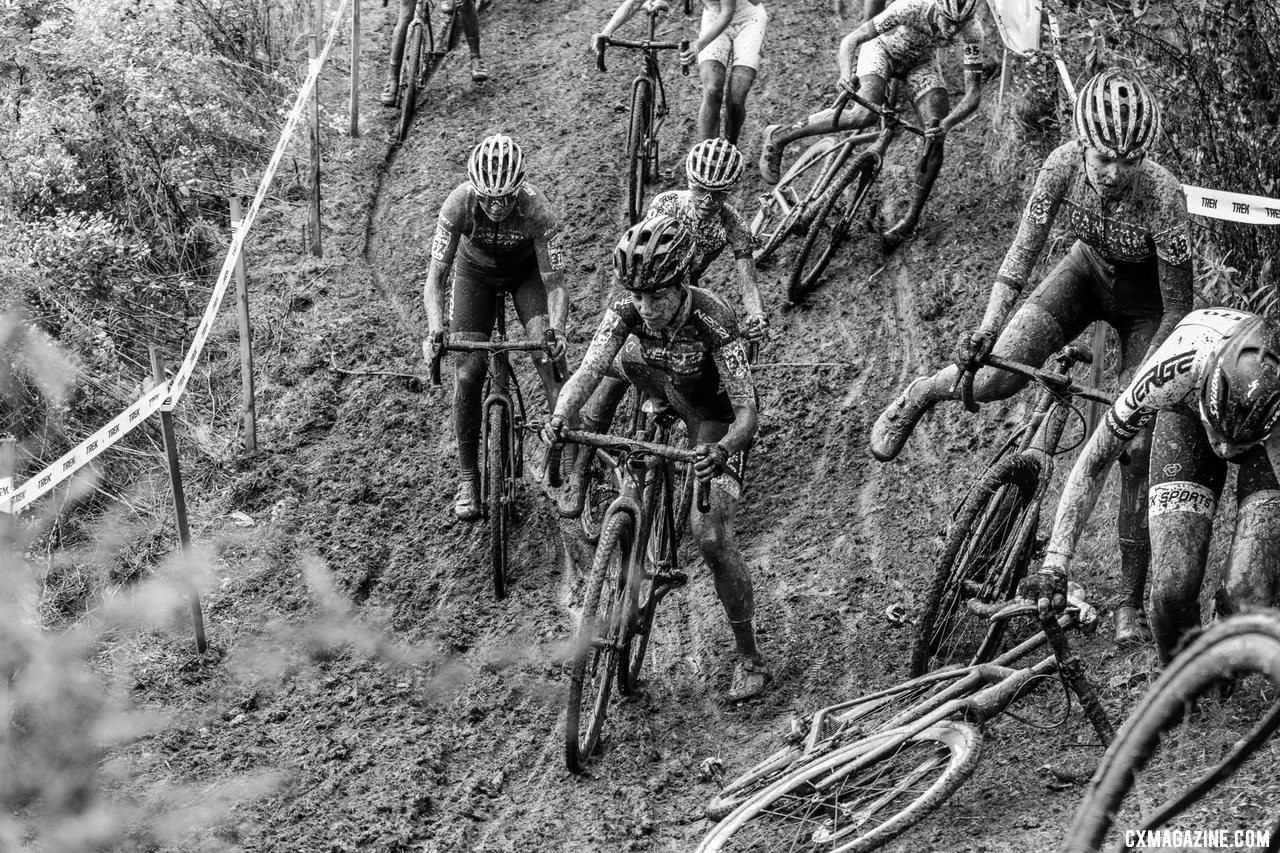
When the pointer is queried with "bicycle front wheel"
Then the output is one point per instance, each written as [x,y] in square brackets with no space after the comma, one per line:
[856,800]
[1167,761]
[499,491]
[409,72]
[829,229]
[977,561]
[637,147]
[785,206]
[599,632]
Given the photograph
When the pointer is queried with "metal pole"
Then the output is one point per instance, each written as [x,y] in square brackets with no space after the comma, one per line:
[313,52]
[246,340]
[179,500]
[355,69]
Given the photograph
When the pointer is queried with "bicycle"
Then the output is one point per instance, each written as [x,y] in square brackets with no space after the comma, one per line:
[636,564]
[424,50]
[872,769]
[1143,781]
[993,535]
[502,435]
[648,108]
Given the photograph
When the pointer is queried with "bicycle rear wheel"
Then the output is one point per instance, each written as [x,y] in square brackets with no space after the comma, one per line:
[855,800]
[637,147]
[409,73]
[1167,762]
[777,217]
[977,561]
[599,631]
[499,490]
[828,233]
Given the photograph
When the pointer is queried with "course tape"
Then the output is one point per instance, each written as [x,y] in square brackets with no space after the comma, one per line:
[1236,207]
[16,499]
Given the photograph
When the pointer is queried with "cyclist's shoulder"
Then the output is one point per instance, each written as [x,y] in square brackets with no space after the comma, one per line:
[458,205]
[712,316]
[1064,161]
[534,205]
[1162,187]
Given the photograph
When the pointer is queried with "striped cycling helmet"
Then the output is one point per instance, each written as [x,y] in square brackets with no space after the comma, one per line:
[958,10]
[1117,114]
[1240,397]
[714,164]
[654,253]
[496,167]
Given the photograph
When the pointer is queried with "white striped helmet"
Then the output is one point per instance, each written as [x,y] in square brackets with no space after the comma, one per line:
[714,164]
[654,253]
[958,10]
[1117,114]
[496,167]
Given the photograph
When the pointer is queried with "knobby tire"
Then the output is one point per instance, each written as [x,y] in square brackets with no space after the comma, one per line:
[637,147]
[500,492]
[770,226]
[826,235]
[409,73]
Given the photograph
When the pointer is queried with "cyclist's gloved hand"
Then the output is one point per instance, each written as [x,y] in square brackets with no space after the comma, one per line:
[1088,617]
[756,328]
[850,84]
[597,42]
[690,56]
[553,431]
[1047,588]
[935,131]
[556,343]
[432,344]
[973,349]
[713,460]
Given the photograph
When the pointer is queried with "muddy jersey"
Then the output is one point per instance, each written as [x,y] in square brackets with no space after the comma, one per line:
[710,235]
[907,32]
[487,245]
[698,364]
[1150,224]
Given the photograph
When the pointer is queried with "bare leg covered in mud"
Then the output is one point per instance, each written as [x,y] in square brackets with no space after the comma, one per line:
[933,106]
[855,117]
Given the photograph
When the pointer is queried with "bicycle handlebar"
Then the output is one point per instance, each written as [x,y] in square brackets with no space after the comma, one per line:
[1055,380]
[442,346]
[635,446]
[607,42]
[887,113]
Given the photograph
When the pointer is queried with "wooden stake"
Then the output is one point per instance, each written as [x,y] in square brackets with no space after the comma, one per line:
[179,501]
[313,52]
[247,397]
[354,109]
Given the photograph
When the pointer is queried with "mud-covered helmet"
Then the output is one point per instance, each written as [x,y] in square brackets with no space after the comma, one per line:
[654,253]
[714,164]
[957,10]
[1240,393]
[496,167]
[1117,114]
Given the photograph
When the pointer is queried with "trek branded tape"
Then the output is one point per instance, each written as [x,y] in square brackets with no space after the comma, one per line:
[1234,207]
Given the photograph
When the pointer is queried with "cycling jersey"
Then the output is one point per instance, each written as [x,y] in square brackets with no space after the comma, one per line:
[488,246]
[710,235]
[908,34]
[697,364]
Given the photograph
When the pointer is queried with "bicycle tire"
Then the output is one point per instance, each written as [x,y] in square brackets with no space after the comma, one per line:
[977,541]
[826,237]
[637,153]
[635,639]
[499,491]
[771,227]
[600,485]
[803,811]
[409,72]
[1241,645]
[597,651]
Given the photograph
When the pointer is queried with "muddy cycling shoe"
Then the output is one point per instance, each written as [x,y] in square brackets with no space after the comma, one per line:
[750,678]
[894,426]
[770,155]
[1131,627]
[478,74]
[390,93]
[573,496]
[466,506]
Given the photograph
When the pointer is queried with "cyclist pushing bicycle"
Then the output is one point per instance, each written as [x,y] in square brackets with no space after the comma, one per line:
[470,19]
[900,42]
[1130,266]
[729,45]
[1215,385]
[680,345]
[714,167]
[493,232]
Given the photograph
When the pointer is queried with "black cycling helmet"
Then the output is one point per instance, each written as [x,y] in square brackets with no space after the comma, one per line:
[1240,394]
[654,253]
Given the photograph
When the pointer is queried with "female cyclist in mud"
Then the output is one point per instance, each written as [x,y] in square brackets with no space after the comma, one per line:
[713,168]
[679,344]
[1215,383]
[1130,266]
[729,45]
[902,42]
[493,231]
[467,15]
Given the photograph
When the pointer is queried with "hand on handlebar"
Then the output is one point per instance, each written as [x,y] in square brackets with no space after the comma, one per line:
[598,42]
[973,349]
[689,56]
[1047,588]
[849,85]
[553,431]
[432,344]
[713,460]
[657,6]
[935,131]
[556,345]
[756,328]
[1088,614]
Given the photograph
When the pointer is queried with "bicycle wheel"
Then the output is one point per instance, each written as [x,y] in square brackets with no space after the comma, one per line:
[601,486]
[838,726]
[499,489]
[857,799]
[826,233]
[409,72]
[637,147]
[1168,763]
[635,641]
[976,563]
[597,642]
[785,206]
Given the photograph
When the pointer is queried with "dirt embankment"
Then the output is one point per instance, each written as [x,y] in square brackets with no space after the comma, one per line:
[459,747]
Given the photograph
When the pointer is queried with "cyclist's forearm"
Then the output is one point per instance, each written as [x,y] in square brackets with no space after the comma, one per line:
[849,47]
[1080,494]
[742,430]
[969,103]
[433,294]
[751,300]
[580,386]
[999,307]
[620,17]
[553,281]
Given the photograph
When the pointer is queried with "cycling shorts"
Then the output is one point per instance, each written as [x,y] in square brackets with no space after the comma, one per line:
[477,295]
[743,39]
[874,59]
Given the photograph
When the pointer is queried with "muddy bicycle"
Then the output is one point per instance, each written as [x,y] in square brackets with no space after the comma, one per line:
[1162,765]
[636,564]
[648,110]
[426,43]
[503,422]
[994,531]
[868,770]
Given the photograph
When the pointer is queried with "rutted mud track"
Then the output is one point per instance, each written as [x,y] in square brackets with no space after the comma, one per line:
[468,755]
